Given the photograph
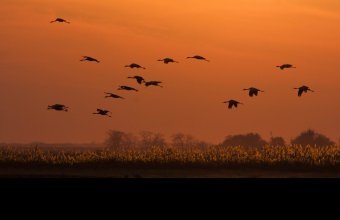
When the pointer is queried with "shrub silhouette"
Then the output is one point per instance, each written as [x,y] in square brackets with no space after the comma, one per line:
[277,141]
[246,140]
[310,137]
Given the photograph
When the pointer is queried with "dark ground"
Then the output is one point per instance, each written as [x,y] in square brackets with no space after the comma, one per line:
[164,173]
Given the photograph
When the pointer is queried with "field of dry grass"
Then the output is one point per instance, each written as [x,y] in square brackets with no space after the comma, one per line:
[234,161]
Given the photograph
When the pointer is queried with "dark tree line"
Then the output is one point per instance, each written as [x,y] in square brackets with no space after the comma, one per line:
[120,140]
[309,137]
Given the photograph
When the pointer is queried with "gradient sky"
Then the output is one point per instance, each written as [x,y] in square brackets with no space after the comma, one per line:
[244,39]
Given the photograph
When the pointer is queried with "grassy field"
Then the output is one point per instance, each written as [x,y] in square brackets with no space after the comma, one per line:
[154,162]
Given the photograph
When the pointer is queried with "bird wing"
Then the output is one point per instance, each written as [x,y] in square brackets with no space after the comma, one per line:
[300,92]
[230,105]
[139,80]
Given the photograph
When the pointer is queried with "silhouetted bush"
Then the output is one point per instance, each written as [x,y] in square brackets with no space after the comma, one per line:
[310,137]
[277,141]
[246,140]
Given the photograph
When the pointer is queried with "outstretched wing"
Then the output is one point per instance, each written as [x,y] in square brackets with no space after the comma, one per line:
[230,105]
[300,92]
[139,80]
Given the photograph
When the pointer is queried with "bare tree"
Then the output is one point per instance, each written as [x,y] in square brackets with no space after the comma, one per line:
[150,139]
[118,140]
[185,141]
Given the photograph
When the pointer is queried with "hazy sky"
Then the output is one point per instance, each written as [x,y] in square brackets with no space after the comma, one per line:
[244,39]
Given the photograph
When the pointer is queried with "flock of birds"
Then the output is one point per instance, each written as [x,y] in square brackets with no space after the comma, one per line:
[252,91]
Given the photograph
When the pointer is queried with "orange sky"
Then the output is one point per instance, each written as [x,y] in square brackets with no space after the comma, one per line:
[244,40]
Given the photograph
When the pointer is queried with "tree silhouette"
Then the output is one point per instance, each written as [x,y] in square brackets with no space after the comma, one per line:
[246,140]
[310,137]
[185,141]
[118,140]
[150,139]
[277,141]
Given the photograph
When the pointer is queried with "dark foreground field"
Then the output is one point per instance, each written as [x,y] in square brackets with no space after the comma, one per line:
[164,173]
[156,162]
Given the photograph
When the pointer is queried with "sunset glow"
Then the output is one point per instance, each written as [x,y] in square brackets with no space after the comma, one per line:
[244,40]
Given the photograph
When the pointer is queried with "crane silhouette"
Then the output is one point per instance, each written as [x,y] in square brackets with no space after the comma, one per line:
[285,66]
[232,103]
[139,79]
[153,83]
[102,112]
[111,95]
[128,88]
[197,57]
[58,107]
[253,91]
[303,89]
[168,60]
[60,20]
[135,65]
[91,59]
